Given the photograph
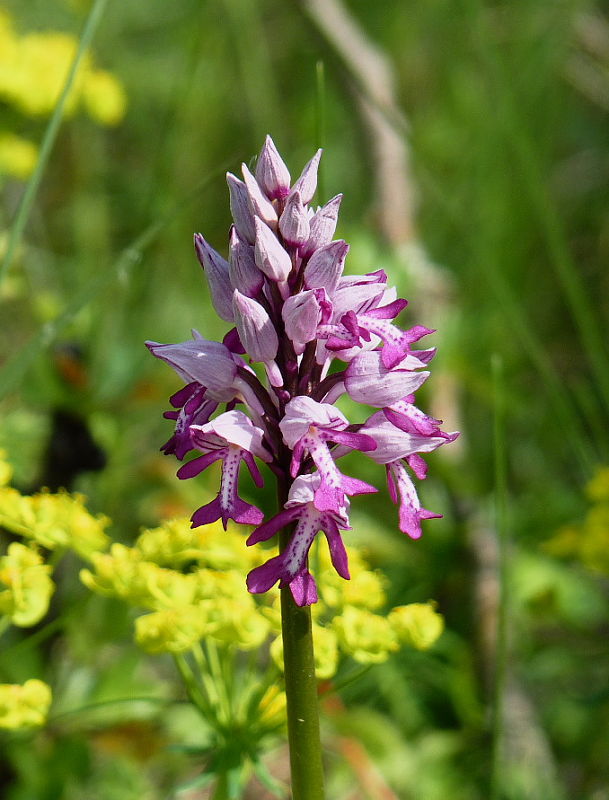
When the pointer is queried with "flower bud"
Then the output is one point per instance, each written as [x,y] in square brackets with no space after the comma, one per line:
[217,274]
[255,327]
[294,222]
[302,313]
[269,255]
[322,226]
[243,271]
[259,205]
[271,172]
[326,265]
[239,208]
[307,183]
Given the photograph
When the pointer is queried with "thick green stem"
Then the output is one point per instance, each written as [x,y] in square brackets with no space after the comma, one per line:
[301,692]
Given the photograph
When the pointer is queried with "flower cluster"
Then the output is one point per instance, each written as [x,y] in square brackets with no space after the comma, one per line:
[24,705]
[190,583]
[33,69]
[588,540]
[313,334]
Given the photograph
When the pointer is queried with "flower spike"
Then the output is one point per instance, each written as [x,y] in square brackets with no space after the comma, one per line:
[302,333]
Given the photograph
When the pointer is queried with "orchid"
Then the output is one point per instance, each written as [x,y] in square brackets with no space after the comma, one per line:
[316,335]
[305,334]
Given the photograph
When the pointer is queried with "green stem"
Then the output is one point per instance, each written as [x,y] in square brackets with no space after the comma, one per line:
[501,523]
[301,694]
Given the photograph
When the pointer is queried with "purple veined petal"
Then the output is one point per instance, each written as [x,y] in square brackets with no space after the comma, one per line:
[271,172]
[243,272]
[304,589]
[322,226]
[256,329]
[368,381]
[302,412]
[236,428]
[253,469]
[261,578]
[211,512]
[357,298]
[425,355]
[406,416]
[208,363]
[240,209]
[196,409]
[411,513]
[197,465]
[391,310]
[232,341]
[269,255]
[275,524]
[417,465]
[216,272]
[338,554]
[294,222]
[307,182]
[259,205]
[179,398]
[326,265]
[353,486]
[303,489]
[393,443]
[356,441]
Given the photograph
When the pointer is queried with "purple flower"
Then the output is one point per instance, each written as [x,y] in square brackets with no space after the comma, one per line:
[290,568]
[307,427]
[233,438]
[267,392]
[393,445]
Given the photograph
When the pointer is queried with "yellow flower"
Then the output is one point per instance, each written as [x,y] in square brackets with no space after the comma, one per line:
[53,520]
[240,623]
[366,589]
[25,585]
[598,488]
[24,706]
[104,97]
[6,471]
[17,156]
[34,68]
[173,630]
[368,638]
[417,624]
[272,706]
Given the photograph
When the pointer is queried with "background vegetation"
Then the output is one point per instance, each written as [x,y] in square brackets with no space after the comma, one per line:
[496,117]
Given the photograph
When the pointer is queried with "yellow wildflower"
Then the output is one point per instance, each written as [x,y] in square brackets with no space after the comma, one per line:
[104,97]
[6,471]
[173,630]
[17,156]
[53,520]
[33,70]
[25,585]
[598,487]
[240,623]
[417,624]
[24,706]
[272,706]
[368,638]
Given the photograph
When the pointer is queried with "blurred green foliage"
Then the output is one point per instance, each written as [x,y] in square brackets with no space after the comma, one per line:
[507,129]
